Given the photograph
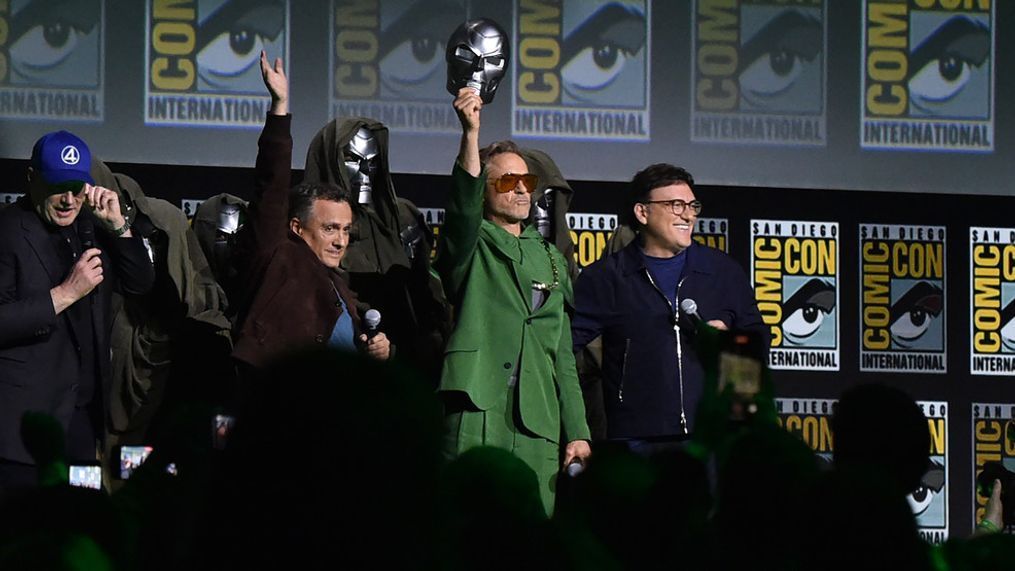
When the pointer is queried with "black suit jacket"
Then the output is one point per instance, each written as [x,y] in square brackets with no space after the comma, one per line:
[39,358]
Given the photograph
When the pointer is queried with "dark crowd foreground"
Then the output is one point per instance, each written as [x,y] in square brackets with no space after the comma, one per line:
[319,472]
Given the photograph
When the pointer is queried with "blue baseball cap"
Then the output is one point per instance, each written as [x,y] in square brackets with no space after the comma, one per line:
[61,156]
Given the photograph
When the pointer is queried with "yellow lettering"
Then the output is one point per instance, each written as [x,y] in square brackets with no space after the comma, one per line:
[357,14]
[538,87]
[174,10]
[937,435]
[540,18]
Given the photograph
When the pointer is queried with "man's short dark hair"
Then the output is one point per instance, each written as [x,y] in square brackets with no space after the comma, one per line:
[302,197]
[498,148]
[652,177]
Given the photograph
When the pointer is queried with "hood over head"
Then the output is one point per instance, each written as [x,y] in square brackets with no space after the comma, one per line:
[377,243]
[132,198]
[542,165]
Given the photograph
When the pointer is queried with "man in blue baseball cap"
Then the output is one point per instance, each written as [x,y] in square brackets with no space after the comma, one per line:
[64,247]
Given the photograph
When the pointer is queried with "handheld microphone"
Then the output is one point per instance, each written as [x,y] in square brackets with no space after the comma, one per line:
[86,232]
[372,320]
[575,468]
[690,308]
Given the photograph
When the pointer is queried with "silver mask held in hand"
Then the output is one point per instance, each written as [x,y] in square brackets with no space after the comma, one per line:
[361,164]
[478,54]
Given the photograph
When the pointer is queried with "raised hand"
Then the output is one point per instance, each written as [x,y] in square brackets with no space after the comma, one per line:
[468,105]
[277,83]
[105,204]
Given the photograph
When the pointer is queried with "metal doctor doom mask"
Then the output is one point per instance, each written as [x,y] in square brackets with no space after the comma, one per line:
[362,164]
[478,54]
[230,218]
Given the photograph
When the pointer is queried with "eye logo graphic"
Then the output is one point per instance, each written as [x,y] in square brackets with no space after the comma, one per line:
[203,60]
[758,72]
[913,315]
[795,270]
[229,44]
[992,301]
[387,62]
[993,429]
[70,155]
[51,64]
[948,69]
[805,312]
[928,77]
[902,298]
[581,70]
[931,485]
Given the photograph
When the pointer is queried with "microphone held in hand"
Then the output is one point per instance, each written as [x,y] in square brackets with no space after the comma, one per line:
[575,468]
[372,321]
[690,308]
[86,232]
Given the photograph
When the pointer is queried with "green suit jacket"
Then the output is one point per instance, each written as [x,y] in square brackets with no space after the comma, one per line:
[488,275]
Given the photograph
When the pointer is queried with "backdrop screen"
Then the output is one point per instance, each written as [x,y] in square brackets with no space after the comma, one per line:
[859,94]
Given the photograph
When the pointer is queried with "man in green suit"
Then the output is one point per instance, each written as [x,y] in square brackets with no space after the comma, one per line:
[509,376]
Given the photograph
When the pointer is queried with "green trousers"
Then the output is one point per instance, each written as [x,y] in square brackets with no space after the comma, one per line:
[501,427]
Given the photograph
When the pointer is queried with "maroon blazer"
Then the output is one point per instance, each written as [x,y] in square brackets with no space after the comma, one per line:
[290,297]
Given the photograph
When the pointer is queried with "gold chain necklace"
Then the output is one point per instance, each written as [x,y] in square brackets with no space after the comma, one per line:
[553,267]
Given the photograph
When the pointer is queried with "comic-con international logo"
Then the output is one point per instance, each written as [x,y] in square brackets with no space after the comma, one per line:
[387,62]
[929,502]
[202,60]
[992,301]
[51,59]
[795,269]
[581,69]
[993,441]
[758,72]
[927,80]
[902,298]
[811,420]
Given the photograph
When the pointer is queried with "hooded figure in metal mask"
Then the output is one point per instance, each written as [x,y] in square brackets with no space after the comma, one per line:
[170,345]
[477,54]
[550,203]
[217,223]
[388,258]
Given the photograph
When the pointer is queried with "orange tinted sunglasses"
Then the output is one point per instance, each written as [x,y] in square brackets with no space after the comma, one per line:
[508,182]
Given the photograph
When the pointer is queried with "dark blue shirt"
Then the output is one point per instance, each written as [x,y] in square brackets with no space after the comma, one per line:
[666,273]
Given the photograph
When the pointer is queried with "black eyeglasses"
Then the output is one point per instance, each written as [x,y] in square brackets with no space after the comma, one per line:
[677,206]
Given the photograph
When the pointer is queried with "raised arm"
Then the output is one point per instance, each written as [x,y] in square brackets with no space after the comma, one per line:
[464,214]
[468,105]
[269,210]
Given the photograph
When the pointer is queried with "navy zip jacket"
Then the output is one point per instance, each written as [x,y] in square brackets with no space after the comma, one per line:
[616,298]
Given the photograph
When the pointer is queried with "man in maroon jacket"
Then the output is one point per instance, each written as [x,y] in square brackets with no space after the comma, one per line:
[294,242]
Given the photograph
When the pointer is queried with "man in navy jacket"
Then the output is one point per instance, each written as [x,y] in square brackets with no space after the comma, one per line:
[652,378]
[64,247]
